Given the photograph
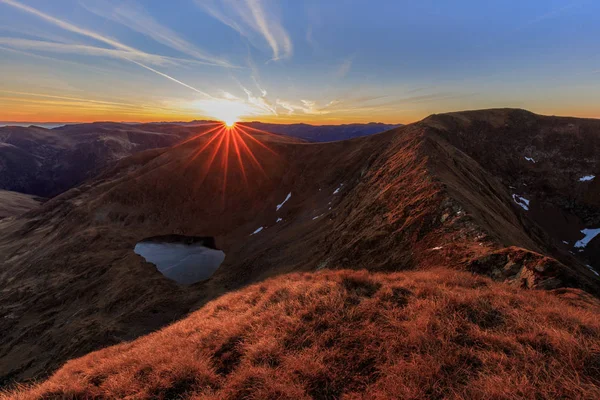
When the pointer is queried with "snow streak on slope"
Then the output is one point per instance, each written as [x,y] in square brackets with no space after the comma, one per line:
[589,235]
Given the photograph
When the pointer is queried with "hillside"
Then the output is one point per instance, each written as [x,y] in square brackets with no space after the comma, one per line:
[345,334]
[414,198]
[13,203]
[323,133]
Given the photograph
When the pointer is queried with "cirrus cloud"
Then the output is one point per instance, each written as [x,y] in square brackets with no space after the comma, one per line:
[251,18]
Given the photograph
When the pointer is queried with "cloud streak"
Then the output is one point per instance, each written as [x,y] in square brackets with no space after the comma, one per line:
[306,106]
[260,101]
[69,27]
[136,18]
[114,104]
[64,48]
[251,18]
[344,68]
[171,78]
[127,53]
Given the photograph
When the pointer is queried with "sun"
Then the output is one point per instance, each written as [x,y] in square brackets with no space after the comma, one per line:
[229,122]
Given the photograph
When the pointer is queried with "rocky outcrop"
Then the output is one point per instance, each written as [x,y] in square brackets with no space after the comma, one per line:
[522,268]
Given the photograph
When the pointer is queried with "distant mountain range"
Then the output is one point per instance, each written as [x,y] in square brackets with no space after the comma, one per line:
[46,162]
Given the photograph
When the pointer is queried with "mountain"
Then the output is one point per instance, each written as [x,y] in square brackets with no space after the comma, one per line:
[323,133]
[426,203]
[547,164]
[13,203]
[46,162]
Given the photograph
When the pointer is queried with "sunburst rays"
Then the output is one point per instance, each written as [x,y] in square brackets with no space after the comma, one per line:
[227,150]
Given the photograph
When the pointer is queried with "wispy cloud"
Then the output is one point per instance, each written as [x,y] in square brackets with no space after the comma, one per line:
[249,18]
[16,44]
[41,101]
[343,69]
[56,59]
[70,27]
[136,18]
[309,107]
[127,52]
[65,48]
[50,96]
[260,102]
[80,100]
[358,105]
[286,106]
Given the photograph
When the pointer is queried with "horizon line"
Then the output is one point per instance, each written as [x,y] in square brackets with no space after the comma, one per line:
[62,123]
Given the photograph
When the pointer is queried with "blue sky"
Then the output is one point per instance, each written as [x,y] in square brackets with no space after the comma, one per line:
[329,61]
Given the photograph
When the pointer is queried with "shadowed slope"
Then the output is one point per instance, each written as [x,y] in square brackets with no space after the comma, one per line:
[413,335]
[323,133]
[542,159]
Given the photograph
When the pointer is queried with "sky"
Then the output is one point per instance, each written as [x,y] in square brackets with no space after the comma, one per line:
[313,61]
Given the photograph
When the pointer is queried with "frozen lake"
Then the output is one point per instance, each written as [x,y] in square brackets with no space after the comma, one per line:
[181,262]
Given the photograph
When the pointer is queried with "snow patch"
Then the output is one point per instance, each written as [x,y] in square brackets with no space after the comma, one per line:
[437,248]
[279,219]
[589,235]
[318,216]
[587,178]
[592,269]
[256,231]
[336,191]
[283,202]
[522,201]
[565,242]
[530,159]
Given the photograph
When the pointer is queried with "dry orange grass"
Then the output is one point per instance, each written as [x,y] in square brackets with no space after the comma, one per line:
[355,335]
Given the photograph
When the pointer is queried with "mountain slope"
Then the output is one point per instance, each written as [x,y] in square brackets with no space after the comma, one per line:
[323,133]
[13,203]
[550,162]
[401,200]
[46,162]
[347,334]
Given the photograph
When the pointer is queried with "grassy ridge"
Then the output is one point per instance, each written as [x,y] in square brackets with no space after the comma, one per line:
[354,334]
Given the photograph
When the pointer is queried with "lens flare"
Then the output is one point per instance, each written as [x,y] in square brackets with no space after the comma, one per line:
[228,149]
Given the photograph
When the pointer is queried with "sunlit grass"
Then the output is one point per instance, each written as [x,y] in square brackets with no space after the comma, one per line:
[349,334]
